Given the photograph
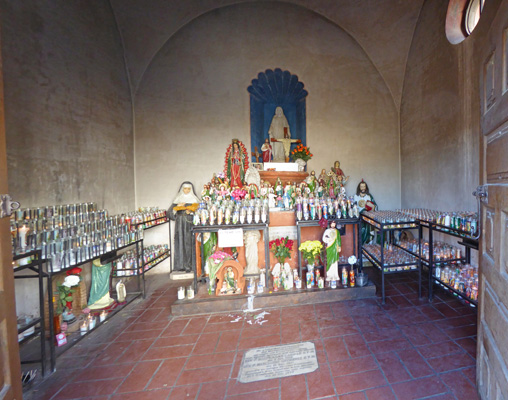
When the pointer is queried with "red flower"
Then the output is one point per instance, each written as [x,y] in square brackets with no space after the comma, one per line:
[74,271]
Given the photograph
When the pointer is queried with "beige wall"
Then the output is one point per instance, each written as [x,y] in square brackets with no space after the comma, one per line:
[67,110]
[193,99]
[439,118]
[67,105]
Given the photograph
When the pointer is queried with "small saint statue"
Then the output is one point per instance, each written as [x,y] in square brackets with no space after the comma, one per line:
[332,240]
[339,174]
[266,149]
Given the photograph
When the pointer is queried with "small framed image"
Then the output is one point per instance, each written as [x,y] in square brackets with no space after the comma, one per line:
[258,165]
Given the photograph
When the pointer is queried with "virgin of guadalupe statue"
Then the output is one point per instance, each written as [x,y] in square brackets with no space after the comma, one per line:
[331,237]
[99,288]
[237,163]
[278,127]
[181,211]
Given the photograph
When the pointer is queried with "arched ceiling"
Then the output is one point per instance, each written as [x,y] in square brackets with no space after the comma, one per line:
[384,29]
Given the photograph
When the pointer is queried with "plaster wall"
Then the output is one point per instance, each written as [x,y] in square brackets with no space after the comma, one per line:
[439,118]
[67,110]
[67,105]
[193,100]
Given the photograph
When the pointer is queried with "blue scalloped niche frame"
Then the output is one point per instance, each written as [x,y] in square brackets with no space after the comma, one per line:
[271,89]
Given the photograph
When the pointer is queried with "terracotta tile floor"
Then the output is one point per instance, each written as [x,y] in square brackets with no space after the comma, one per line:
[406,349]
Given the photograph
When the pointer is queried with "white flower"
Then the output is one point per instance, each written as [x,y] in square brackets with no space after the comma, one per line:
[70,281]
[352,260]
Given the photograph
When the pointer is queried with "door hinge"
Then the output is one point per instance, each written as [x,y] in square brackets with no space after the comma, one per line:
[7,206]
[482,193]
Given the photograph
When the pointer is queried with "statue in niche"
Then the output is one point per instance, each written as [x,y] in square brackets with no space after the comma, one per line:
[251,239]
[181,211]
[278,127]
[266,149]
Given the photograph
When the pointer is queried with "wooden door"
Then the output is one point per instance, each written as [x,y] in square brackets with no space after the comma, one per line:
[10,370]
[492,347]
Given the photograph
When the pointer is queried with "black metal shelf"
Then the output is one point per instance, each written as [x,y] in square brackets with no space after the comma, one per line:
[426,261]
[216,228]
[34,335]
[467,241]
[315,222]
[452,231]
[389,268]
[74,337]
[389,228]
[455,291]
[165,218]
[36,266]
[51,272]
[165,255]
[28,326]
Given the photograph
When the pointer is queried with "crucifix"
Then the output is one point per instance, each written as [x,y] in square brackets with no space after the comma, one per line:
[256,154]
[286,142]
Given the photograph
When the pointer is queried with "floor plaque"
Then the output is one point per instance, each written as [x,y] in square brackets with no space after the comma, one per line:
[278,362]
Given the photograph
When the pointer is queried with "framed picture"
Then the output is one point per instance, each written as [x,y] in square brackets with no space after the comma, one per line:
[258,165]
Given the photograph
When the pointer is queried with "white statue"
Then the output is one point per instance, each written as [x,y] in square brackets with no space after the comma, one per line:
[251,239]
[277,127]
[252,176]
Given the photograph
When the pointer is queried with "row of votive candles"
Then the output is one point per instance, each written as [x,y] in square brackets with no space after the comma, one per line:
[463,278]
[388,216]
[146,214]
[442,251]
[90,322]
[153,252]
[462,220]
[53,211]
[391,255]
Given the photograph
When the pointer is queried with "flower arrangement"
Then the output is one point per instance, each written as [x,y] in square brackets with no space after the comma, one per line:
[302,152]
[65,289]
[281,248]
[311,250]
[238,194]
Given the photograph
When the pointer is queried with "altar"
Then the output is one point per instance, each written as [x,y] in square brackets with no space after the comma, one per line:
[271,233]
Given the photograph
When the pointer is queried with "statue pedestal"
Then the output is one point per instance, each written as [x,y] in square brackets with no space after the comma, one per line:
[285,176]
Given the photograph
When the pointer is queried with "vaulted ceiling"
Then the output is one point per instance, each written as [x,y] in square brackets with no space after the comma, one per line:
[384,29]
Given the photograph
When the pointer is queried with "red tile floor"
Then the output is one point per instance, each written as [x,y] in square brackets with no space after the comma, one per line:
[406,349]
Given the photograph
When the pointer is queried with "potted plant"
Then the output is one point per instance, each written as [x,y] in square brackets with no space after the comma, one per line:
[300,155]
[282,274]
[65,292]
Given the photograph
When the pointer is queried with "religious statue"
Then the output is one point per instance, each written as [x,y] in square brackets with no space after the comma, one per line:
[332,240]
[340,176]
[266,149]
[236,163]
[251,239]
[286,143]
[363,197]
[365,200]
[181,211]
[311,181]
[99,289]
[323,178]
[256,154]
[279,129]
[252,176]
